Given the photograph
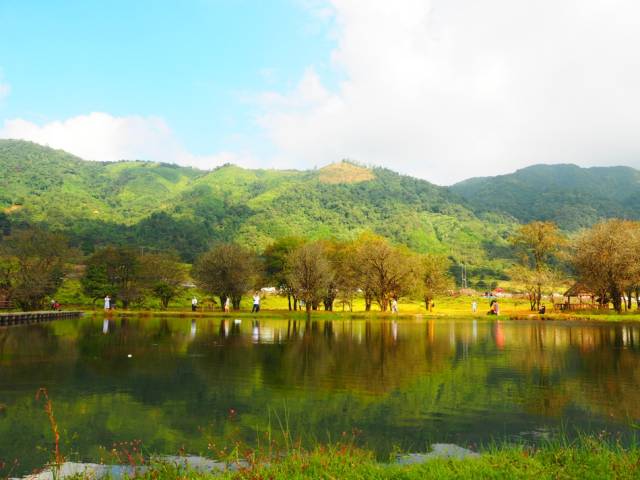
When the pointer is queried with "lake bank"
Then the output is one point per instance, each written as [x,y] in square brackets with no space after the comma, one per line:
[590,457]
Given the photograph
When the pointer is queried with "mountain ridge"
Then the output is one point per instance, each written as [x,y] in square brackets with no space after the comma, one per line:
[166,206]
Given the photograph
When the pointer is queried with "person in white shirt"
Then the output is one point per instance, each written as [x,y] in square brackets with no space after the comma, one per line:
[227,305]
[256,303]
[194,304]
[107,302]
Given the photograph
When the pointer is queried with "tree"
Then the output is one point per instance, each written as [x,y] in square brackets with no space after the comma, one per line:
[434,277]
[275,265]
[346,278]
[536,244]
[607,259]
[227,270]
[162,275]
[113,271]
[33,266]
[309,274]
[533,282]
[385,271]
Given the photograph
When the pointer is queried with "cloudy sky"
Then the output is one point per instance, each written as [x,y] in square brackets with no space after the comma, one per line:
[441,89]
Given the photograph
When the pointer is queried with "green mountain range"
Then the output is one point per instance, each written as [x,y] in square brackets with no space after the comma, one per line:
[164,206]
[571,196]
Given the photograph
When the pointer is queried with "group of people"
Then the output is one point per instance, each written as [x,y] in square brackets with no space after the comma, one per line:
[227,304]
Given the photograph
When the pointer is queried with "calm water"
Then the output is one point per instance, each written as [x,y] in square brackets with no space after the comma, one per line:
[199,385]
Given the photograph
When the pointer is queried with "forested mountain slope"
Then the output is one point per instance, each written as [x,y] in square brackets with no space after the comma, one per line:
[161,206]
[569,195]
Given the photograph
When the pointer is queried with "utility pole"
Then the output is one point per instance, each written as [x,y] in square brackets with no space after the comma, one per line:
[463,275]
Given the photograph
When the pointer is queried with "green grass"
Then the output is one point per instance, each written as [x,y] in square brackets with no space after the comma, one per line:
[587,458]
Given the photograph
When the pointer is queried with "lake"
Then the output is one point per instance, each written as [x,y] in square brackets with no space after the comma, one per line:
[198,386]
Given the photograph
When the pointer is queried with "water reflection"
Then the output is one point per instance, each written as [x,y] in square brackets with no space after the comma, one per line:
[404,382]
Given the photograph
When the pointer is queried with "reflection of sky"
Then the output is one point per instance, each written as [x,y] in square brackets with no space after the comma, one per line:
[443,379]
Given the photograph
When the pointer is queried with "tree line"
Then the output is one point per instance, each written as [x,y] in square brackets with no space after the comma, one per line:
[604,259]
[315,274]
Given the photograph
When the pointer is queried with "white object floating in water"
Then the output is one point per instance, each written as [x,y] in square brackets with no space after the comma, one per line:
[129,355]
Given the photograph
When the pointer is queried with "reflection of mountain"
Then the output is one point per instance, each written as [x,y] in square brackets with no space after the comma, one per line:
[403,384]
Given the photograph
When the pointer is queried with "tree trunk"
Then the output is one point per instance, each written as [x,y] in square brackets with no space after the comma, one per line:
[308,307]
[427,301]
[289,300]
[616,299]
[235,301]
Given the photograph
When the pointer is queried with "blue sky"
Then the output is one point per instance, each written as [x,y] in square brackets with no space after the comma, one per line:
[191,63]
[439,89]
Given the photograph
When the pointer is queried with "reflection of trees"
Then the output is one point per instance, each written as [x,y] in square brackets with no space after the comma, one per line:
[402,384]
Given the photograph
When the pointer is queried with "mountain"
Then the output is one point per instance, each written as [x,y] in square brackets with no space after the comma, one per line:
[163,206]
[569,195]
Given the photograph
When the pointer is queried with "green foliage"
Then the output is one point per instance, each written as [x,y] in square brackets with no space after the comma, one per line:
[568,195]
[162,207]
[32,263]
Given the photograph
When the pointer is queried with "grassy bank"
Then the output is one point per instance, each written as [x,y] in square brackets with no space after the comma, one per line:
[588,458]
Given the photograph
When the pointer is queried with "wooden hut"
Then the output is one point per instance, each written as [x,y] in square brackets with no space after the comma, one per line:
[579,297]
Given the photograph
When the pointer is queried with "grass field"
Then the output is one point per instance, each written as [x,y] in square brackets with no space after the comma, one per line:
[588,458]
[70,296]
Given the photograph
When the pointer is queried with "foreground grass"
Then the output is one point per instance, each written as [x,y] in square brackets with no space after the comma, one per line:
[588,459]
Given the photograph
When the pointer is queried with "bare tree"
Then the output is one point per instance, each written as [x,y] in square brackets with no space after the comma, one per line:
[309,274]
[385,271]
[607,259]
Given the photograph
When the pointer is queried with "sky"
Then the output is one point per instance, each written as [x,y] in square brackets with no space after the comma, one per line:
[439,89]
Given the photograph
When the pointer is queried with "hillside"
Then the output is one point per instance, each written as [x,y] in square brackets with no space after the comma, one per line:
[569,195]
[161,206]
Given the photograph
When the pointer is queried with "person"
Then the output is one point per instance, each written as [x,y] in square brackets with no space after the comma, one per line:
[394,305]
[194,304]
[227,304]
[107,302]
[432,305]
[474,306]
[256,303]
[542,310]
[56,306]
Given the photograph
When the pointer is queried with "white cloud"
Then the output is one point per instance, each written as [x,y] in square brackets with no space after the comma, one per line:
[103,137]
[448,89]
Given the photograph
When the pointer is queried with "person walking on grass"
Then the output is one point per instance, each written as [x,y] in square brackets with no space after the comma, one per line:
[227,305]
[474,306]
[394,305]
[194,304]
[256,303]
[107,302]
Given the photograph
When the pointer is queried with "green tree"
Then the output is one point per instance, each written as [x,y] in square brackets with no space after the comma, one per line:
[113,271]
[227,270]
[275,266]
[434,278]
[535,245]
[163,276]
[33,266]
